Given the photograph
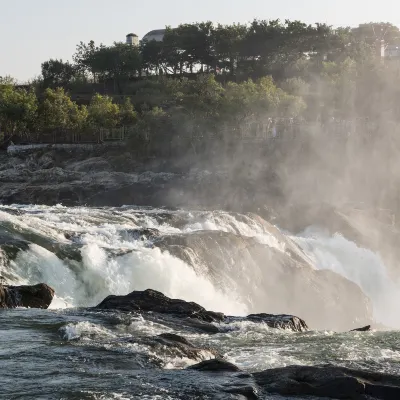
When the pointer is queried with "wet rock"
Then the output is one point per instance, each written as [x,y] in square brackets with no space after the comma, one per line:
[172,345]
[363,329]
[215,365]
[281,321]
[329,381]
[151,300]
[35,296]
[141,234]
[245,391]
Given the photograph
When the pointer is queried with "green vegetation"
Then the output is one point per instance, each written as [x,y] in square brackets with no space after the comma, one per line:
[202,78]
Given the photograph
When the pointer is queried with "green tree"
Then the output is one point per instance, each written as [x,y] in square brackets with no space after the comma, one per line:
[57,73]
[127,113]
[58,112]
[18,109]
[103,113]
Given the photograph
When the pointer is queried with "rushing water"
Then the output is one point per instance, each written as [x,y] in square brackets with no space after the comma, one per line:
[85,254]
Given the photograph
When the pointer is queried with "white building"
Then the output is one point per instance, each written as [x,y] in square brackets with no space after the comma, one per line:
[132,39]
[157,35]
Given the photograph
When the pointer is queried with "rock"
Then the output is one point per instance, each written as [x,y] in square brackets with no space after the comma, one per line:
[282,321]
[363,329]
[215,365]
[177,346]
[151,300]
[36,296]
[141,234]
[328,381]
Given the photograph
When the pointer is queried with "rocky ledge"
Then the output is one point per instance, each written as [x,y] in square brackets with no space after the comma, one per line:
[193,314]
[324,381]
[36,296]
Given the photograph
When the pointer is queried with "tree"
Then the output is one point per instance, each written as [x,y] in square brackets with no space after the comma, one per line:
[127,113]
[103,113]
[18,109]
[58,112]
[57,73]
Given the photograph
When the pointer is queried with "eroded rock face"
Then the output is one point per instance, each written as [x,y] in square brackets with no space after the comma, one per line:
[328,381]
[35,296]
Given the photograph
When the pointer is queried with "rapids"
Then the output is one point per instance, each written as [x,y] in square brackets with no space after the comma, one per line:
[232,263]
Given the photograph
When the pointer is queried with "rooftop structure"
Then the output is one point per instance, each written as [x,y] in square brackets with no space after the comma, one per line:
[132,39]
[157,35]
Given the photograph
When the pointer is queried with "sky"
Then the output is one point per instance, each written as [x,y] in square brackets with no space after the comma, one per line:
[33,31]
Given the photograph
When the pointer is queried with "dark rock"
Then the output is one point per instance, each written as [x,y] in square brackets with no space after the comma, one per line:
[141,234]
[246,391]
[151,300]
[215,365]
[329,381]
[363,329]
[177,346]
[202,326]
[36,296]
[281,321]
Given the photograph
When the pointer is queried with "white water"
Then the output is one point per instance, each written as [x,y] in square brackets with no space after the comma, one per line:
[359,265]
[139,266]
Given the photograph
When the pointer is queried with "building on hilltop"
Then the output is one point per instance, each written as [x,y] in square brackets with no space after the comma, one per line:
[132,39]
[157,35]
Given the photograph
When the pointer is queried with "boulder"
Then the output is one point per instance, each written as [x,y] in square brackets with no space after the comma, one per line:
[328,381]
[215,365]
[171,345]
[151,300]
[35,296]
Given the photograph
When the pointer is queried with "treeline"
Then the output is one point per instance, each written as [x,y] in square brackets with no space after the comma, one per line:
[202,77]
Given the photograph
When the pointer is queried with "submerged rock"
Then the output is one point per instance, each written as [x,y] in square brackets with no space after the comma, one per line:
[281,321]
[171,345]
[36,296]
[151,300]
[328,381]
[215,365]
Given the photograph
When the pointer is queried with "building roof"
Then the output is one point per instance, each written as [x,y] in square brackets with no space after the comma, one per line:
[132,34]
[156,32]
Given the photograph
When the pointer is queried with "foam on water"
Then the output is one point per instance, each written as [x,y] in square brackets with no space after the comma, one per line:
[359,265]
[113,263]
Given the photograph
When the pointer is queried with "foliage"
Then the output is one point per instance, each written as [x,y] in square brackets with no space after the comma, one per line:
[17,109]
[203,76]
[56,73]
[58,112]
[103,113]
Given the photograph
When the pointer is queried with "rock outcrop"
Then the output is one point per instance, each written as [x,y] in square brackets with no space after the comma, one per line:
[191,314]
[329,381]
[363,329]
[151,300]
[35,296]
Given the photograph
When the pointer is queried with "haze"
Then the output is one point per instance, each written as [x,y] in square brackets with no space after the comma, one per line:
[33,32]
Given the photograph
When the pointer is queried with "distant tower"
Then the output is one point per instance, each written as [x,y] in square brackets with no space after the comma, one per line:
[132,39]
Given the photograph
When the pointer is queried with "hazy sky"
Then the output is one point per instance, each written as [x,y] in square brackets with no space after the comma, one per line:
[33,31]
